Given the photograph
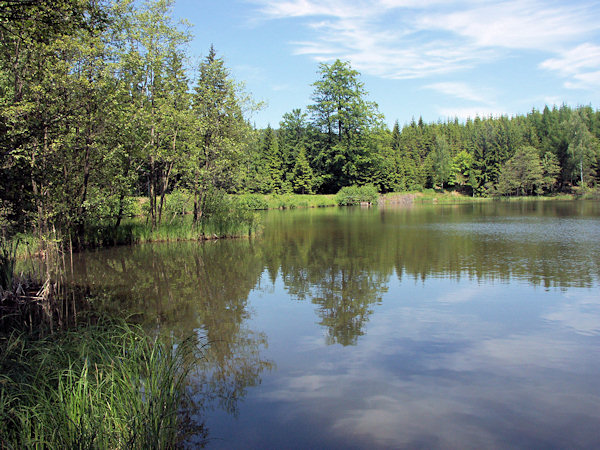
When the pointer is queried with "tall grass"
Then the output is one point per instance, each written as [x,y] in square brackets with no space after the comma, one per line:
[8,259]
[292,201]
[108,385]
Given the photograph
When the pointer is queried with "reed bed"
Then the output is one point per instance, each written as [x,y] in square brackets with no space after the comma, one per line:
[107,385]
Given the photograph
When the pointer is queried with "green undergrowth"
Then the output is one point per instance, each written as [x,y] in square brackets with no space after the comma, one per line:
[291,201]
[137,230]
[107,385]
[356,195]
[175,202]
[444,197]
[453,197]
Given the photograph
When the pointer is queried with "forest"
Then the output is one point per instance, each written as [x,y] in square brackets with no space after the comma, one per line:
[108,128]
[100,104]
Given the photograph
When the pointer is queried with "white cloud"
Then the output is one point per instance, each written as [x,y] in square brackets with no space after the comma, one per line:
[462,295]
[581,65]
[588,80]
[520,24]
[582,316]
[402,39]
[459,90]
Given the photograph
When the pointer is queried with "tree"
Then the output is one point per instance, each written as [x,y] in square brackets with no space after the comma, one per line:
[583,149]
[550,170]
[521,174]
[293,134]
[302,175]
[463,173]
[342,113]
[442,160]
[220,129]
[53,99]
[273,159]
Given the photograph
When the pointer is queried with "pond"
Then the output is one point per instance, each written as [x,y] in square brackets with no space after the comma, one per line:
[459,326]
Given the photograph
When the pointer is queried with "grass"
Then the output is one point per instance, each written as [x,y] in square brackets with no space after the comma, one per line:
[292,201]
[257,202]
[453,197]
[102,385]
[108,385]
[429,196]
[8,259]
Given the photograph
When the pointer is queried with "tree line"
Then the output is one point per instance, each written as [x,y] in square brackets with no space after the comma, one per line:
[100,102]
[341,140]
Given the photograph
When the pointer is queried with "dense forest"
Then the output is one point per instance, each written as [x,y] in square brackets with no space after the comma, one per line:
[100,103]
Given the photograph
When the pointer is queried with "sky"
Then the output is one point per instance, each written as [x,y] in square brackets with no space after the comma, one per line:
[435,59]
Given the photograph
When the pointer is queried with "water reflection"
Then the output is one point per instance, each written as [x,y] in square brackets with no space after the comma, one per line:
[190,288]
[462,326]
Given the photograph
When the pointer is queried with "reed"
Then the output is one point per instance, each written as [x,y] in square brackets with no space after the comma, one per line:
[292,201]
[8,259]
[108,385]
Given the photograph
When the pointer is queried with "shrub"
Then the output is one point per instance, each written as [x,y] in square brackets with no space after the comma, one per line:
[355,195]
[252,202]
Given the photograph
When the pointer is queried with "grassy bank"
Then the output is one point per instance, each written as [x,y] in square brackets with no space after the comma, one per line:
[241,220]
[108,385]
[430,196]
[137,230]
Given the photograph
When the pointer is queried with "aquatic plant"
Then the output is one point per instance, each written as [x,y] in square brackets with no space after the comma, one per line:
[108,385]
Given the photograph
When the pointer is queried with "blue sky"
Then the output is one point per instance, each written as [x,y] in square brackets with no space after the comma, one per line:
[431,58]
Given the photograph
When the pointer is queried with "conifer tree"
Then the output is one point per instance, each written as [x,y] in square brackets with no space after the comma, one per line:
[302,175]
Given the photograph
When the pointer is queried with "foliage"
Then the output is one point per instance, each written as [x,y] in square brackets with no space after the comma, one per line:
[522,174]
[302,175]
[253,202]
[220,126]
[583,149]
[291,201]
[96,108]
[344,116]
[8,259]
[355,195]
[442,160]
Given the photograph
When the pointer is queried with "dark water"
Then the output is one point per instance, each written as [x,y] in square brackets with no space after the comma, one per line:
[464,326]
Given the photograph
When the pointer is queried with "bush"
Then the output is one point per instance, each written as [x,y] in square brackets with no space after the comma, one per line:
[355,195]
[178,203]
[253,202]
[223,215]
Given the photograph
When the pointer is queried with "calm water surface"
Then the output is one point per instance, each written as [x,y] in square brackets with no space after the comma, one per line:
[463,326]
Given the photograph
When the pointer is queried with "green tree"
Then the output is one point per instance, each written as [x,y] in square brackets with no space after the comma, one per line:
[220,128]
[463,173]
[273,161]
[345,116]
[293,133]
[302,175]
[53,99]
[442,160]
[550,170]
[583,149]
[522,174]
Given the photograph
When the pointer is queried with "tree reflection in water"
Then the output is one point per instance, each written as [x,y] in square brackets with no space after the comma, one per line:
[340,260]
[187,288]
